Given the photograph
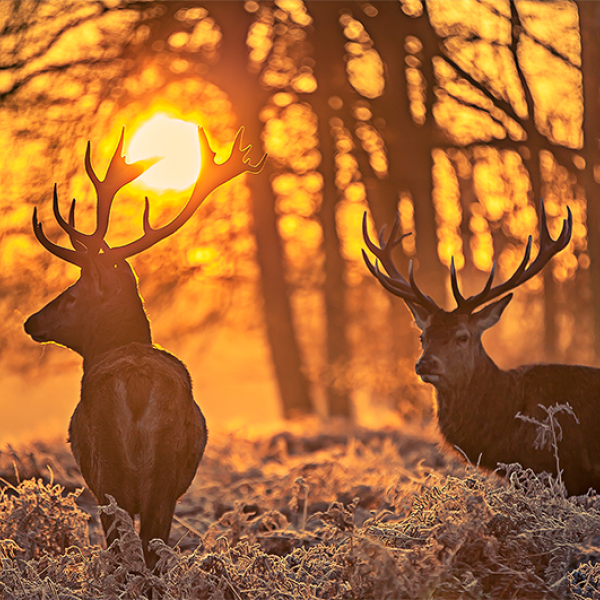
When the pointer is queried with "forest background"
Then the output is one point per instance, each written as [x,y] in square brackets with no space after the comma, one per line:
[460,115]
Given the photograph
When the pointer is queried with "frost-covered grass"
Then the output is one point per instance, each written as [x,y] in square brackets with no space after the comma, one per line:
[375,514]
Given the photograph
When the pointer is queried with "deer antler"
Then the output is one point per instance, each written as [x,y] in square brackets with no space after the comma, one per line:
[393,282]
[212,175]
[119,174]
[409,291]
[548,248]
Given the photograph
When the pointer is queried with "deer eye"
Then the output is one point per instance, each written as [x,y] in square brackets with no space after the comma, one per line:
[69,301]
[462,338]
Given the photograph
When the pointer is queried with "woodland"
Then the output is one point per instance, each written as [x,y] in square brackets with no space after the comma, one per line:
[460,116]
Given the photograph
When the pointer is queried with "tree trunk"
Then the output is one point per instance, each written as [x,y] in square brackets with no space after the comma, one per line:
[409,145]
[328,42]
[232,75]
[589,23]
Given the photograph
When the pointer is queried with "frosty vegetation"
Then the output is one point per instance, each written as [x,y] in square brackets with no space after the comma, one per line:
[377,514]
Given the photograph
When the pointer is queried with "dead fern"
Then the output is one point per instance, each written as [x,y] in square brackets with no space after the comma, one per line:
[41,520]
[335,519]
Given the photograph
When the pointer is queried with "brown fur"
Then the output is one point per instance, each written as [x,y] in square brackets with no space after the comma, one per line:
[137,433]
[477,402]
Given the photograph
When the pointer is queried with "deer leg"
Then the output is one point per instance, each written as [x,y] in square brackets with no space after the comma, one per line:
[124,502]
[155,521]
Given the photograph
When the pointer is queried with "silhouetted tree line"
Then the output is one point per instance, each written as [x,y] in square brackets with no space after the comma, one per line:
[403,36]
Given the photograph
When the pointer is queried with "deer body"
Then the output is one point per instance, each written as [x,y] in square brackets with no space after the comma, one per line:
[476,401]
[137,433]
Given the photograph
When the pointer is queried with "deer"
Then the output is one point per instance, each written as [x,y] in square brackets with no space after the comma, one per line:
[477,402]
[137,434]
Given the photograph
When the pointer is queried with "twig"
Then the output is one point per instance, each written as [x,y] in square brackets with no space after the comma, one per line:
[187,526]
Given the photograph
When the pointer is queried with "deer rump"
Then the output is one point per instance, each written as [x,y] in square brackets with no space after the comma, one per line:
[481,421]
[138,435]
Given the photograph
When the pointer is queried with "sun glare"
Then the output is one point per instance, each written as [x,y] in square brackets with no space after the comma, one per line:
[177,143]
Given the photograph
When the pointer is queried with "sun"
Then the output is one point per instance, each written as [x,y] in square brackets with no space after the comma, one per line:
[176,142]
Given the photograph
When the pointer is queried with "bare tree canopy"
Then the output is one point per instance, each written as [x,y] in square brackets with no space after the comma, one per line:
[459,115]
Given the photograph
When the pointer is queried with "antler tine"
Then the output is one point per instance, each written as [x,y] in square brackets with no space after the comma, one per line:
[565,234]
[237,162]
[239,154]
[68,227]
[212,175]
[422,299]
[70,256]
[488,284]
[454,283]
[146,217]
[118,174]
[462,303]
[393,282]
[76,243]
[399,287]
[72,214]
[548,248]
[384,251]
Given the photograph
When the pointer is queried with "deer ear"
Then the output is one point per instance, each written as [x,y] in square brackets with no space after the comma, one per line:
[490,315]
[420,313]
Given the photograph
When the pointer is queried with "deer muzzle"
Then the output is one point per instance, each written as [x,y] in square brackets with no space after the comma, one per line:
[35,329]
[429,369]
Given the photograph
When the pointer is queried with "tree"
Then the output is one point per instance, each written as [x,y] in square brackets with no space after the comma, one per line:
[589,19]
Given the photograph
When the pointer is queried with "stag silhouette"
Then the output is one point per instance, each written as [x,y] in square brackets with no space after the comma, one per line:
[137,433]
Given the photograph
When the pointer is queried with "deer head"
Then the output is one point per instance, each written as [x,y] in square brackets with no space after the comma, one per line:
[451,341]
[103,309]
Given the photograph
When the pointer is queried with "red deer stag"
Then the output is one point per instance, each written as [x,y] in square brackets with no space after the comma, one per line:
[476,401]
[137,433]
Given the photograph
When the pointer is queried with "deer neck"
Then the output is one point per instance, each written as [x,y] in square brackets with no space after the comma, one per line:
[121,331]
[470,417]
[487,389]
[487,377]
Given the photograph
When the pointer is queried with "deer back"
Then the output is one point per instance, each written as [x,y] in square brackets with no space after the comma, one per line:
[137,413]
[578,440]
[137,433]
